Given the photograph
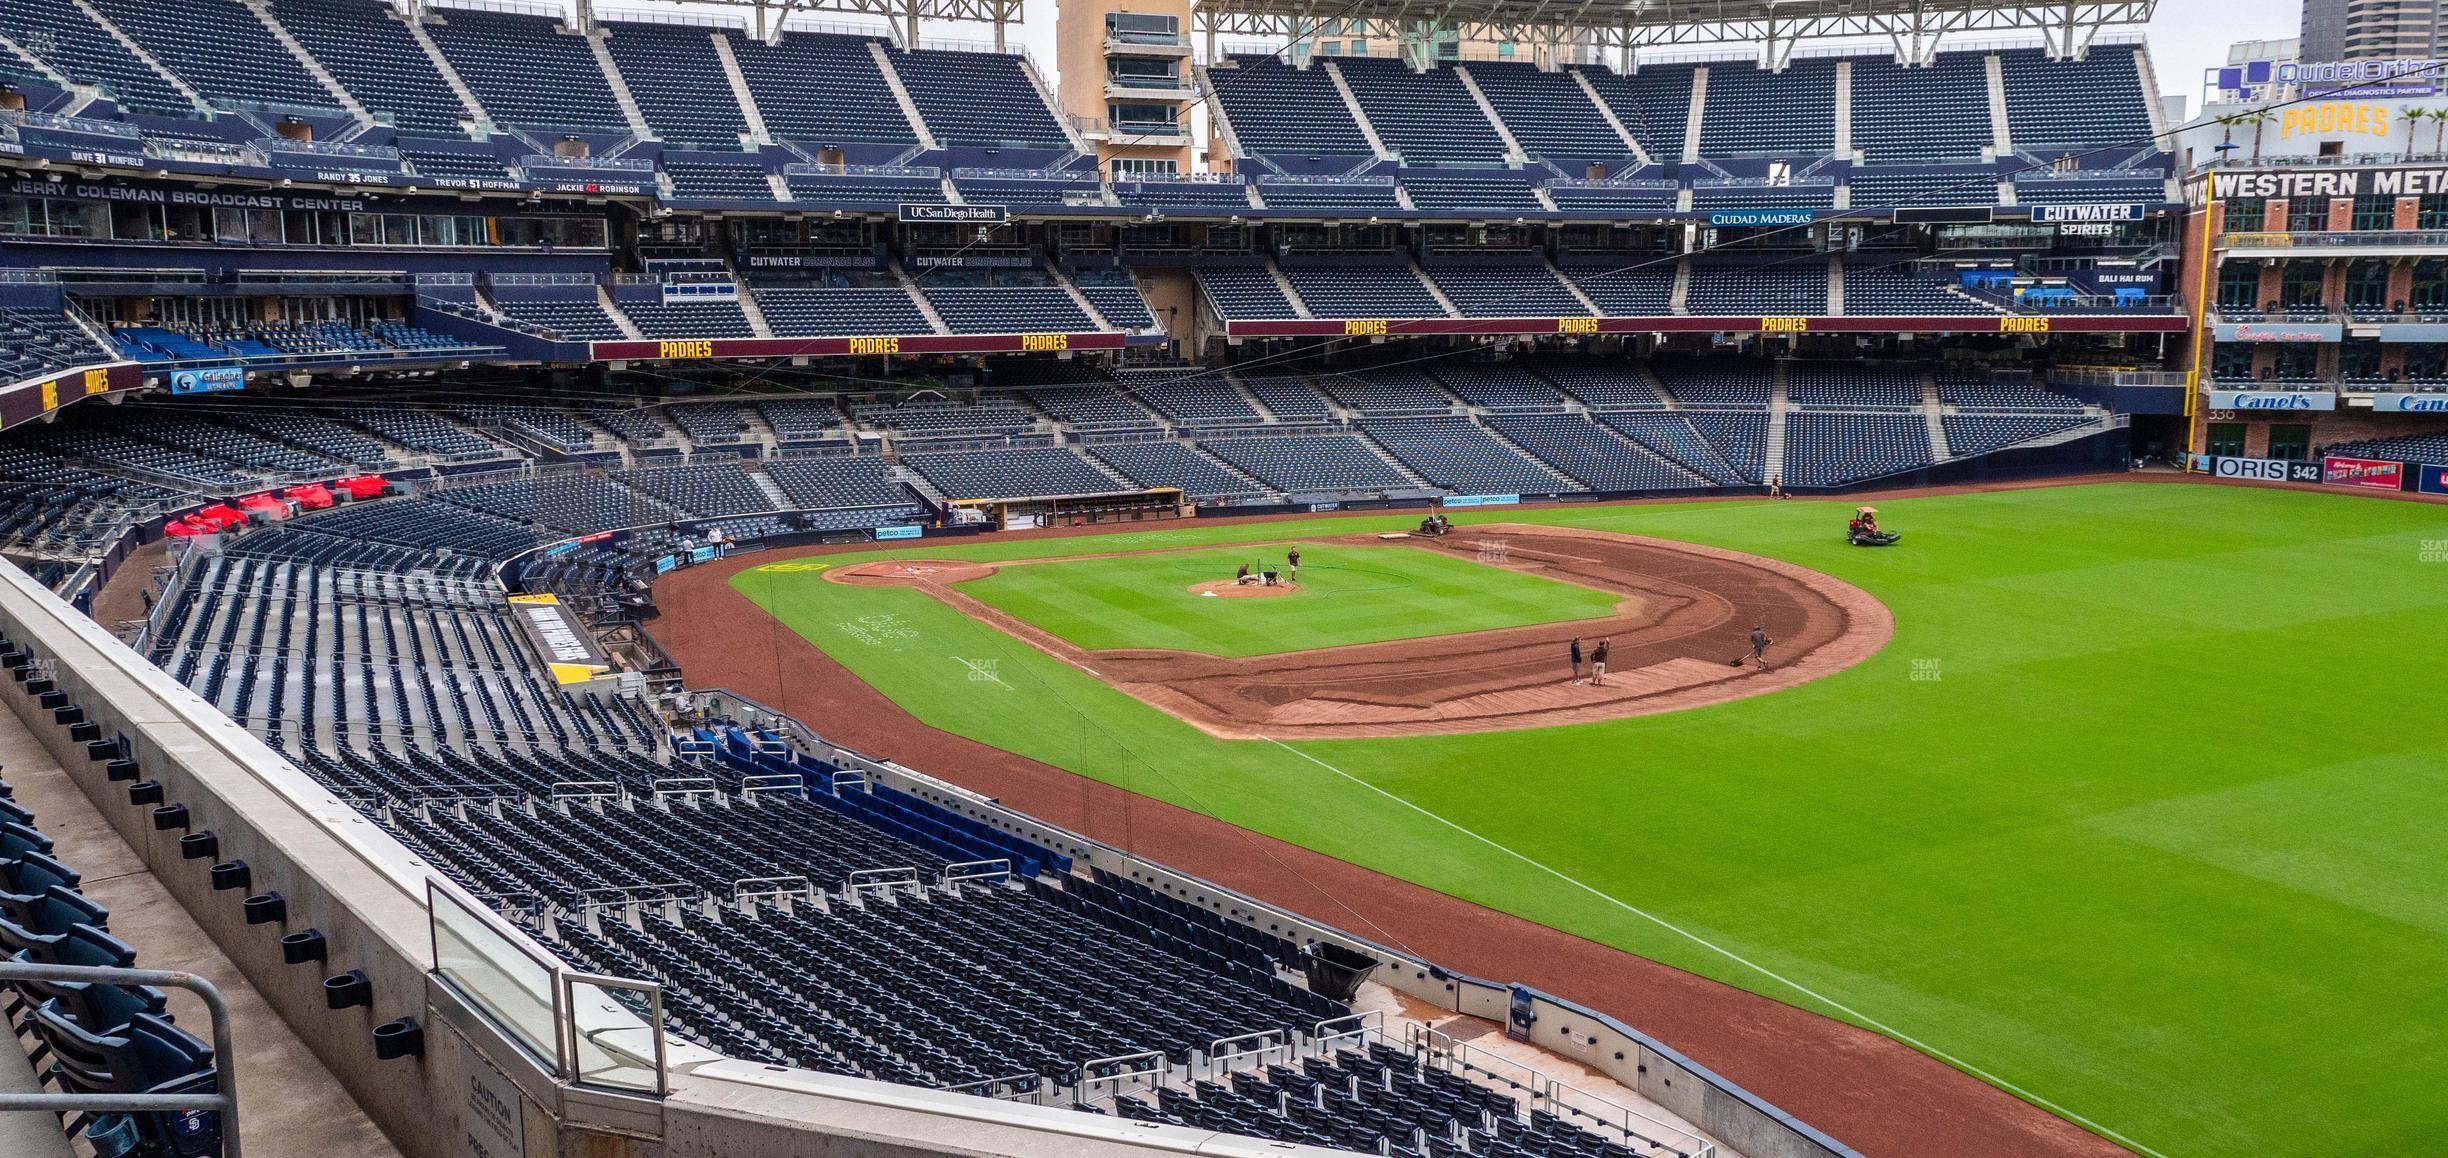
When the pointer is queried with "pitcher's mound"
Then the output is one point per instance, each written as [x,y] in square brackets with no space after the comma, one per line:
[1227,589]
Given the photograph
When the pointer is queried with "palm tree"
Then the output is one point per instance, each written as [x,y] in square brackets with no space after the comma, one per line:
[2413,117]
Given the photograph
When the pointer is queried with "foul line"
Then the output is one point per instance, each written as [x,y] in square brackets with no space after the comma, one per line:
[1746,962]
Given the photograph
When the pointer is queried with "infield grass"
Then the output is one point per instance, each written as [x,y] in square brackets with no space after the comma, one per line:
[1347,595]
[2143,812]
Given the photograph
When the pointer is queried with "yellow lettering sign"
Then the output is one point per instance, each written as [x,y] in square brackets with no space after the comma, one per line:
[875,345]
[689,349]
[1363,327]
[1784,325]
[2023,325]
[97,381]
[790,568]
[1576,325]
[1035,342]
[2334,117]
[50,395]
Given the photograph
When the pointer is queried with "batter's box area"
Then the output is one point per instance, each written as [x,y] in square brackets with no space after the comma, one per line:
[1684,615]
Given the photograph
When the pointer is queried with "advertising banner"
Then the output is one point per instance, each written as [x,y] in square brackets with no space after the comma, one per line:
[1482,500]
[2271,400]
[2431,480]
[1760,217]
[954,214]
[2410,403]
[899,532]
[2258,469]
[207,381]
[2372,473]
[569,650]
[2278,331]
[2087,213]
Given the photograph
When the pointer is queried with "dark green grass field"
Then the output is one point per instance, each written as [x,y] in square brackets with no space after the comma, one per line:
[2142,814]
[1347,595]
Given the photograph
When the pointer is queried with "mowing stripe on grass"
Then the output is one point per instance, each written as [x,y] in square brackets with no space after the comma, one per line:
[1858,1016]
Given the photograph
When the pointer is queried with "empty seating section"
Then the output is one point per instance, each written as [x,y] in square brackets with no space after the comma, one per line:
[420,431]
[730,177]
[1006,309]
[371,54]
[799,419]
[1754,112]
[827,483]
[1089,406]
[1716,382]
[1871,289]
[1591,454]
[72,44]
[1729,446]
[978,99]
[822,88]
[1171,464]
[2055,106]
[1328,197]
[1967,391]
[566,320]
[445,161]
[1216,194]
[1603,385]
[1627,198]
[705,422]
[703,489]
[35,342]
[1356,290]
[2415,448]
[221,51]
[1309,463]
[849,310]
[1115,294]
[1548,113]
[579,504]
[1654,104]
[1459,455]
[862,189]
[1278,109]
[1840,386]
[2038,189]
[1828,449]
[1969,434]
[937,418]
[1395,391]
[1290,399]
[1499,385]
[88,1038]
[1637,287]
[1936,113]
[1425,117]
[1523,290]
[1046,189]
[1875,188]
[689,319]
[1192,397]
[678,82]
[1014,472]
[1798,288]
[526,72]
[1247,292]
[1462,190]
[549,425]
[1818,193]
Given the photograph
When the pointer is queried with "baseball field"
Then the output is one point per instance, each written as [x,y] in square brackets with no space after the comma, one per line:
[2136,814]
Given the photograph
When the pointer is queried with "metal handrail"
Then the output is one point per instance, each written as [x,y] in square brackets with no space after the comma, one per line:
[223,1099]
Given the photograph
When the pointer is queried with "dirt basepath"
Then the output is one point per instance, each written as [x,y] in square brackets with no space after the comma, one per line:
[1685,611]
[1871,1093]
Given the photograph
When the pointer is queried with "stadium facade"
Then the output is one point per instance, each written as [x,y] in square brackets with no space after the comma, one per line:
[386,318]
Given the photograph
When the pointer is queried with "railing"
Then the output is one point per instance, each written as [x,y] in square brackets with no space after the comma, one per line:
[2337,239]
[1440,1049]
[671,16]
[66,124]
[609,164]
[915,172]
[327,148]
[222,1100]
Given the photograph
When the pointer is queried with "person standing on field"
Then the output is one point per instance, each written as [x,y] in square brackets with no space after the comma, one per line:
[1598,662]
[1292,564]
[1759,645]
[1576,659]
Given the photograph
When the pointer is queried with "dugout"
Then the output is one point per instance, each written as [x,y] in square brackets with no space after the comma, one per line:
[1158,504]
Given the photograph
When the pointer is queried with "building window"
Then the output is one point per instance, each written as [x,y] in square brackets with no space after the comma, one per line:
[2299,287]
[2291,441]
[2375,211]
[2231,362]
[2245,215]
[2367,285]
[2307,214]
[1142,169]
[2226,439]
[2239,286]
[2432,211]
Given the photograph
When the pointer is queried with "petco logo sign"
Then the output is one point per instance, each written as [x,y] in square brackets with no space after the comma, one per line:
[2375,474]
[2410,403]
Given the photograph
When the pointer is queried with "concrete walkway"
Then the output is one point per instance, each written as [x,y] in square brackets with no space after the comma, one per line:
[289,1105]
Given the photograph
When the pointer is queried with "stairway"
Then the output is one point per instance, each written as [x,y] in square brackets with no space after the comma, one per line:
[925,307]
[772,490]
[603,297]
[755,313]
[1932,409]
[1835,302]
[741,93]
[1772,448]
[1514,153]
[1564,481]
[1081,300]
[1607,112]
[34,62]
[1248,397]
[1692,117]
[1299,308]
[1359,116]
[2003,141]
[1679,299]
[901,96]
[450,76]
[1443,302]
[138,51]
[1844,109]
[599,42]
[306,60]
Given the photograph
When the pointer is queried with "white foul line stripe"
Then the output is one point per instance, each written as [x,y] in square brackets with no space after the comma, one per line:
[1745,962]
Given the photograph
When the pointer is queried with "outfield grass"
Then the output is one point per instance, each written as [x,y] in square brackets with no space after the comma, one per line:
[1348,595]
[2138,812]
